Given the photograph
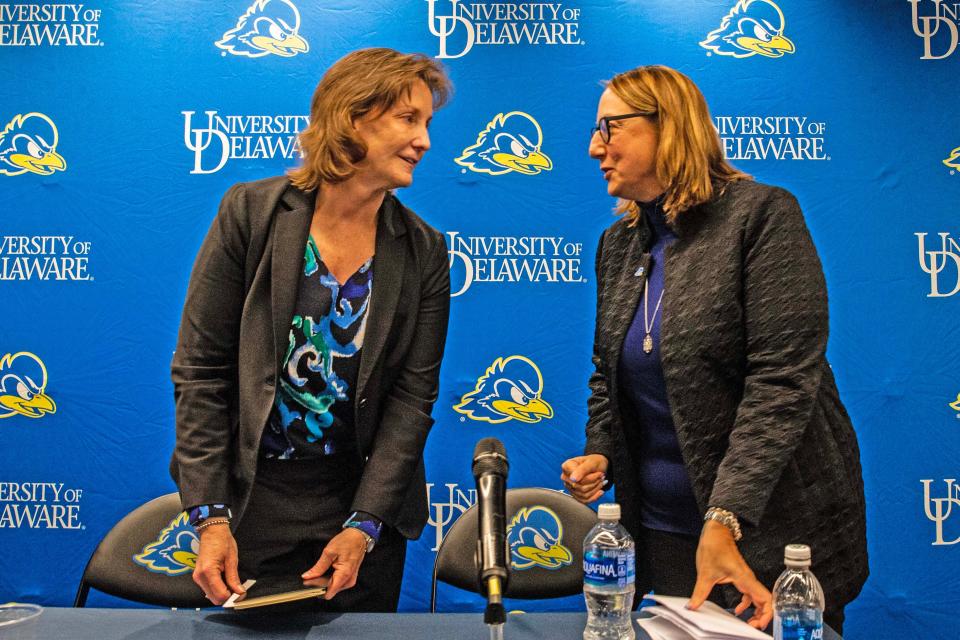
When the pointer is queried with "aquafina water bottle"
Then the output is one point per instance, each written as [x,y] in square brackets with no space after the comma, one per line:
[609,564]
[797,598]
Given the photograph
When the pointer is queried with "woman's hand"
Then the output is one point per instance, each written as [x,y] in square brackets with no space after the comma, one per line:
[216,568]
[719,562]
[344,553]
[585,476]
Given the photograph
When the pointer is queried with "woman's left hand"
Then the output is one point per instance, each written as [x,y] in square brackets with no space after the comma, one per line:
[344,553]
[719,562]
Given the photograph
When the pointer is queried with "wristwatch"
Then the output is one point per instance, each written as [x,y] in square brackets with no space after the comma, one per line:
[367,525]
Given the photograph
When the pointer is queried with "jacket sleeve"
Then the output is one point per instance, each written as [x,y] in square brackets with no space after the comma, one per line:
[599,415]
[786,327]
[402,433]
[204,368]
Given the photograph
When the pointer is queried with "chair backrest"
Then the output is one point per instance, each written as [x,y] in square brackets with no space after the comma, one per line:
[147,557]
[545,532]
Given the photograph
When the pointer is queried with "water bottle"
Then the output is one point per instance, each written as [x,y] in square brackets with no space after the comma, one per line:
[609,564]
[797,598]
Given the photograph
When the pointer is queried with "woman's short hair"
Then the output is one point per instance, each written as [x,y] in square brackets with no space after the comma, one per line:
[690,160]
[359,83]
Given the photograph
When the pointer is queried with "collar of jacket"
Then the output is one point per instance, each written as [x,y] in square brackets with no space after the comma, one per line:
[388,217]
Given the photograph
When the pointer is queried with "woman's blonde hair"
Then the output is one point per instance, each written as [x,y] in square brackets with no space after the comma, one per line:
[359,83]
[690,160]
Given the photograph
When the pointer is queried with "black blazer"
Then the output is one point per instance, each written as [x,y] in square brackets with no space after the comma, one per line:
[234,332]
[743,346]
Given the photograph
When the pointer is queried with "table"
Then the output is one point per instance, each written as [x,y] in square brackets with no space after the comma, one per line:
[163,624]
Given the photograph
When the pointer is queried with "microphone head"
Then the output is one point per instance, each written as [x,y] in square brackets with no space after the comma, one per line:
[490,456]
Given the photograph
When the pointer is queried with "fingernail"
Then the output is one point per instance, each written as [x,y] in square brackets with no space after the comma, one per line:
[574,479]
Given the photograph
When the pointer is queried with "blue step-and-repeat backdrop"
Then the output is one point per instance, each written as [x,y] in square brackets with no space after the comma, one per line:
[123,123]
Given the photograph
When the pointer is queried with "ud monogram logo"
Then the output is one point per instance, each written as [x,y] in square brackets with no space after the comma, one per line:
[753,27]
[927,27]
[267,27]
[939,509]
[442,514]
[935,263]
[443,27]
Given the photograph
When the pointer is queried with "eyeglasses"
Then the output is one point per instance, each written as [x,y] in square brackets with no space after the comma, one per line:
[603,126]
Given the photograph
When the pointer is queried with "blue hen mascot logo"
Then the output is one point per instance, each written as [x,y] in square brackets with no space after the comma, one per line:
[23,382]
[535,536]
[267,27]
[510,389]
[753,27]
[510,142]
[28,144]
[174,552]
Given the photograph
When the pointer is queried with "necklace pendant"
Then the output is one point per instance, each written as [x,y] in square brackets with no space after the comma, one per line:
[647,343]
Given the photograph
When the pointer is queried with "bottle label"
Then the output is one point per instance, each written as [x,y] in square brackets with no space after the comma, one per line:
[608,567]
[803,625]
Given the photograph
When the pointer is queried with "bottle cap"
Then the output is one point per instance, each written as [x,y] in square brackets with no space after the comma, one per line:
[796,555]
[609,511]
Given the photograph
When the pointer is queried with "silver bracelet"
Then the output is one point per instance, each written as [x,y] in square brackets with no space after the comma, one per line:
[727,519]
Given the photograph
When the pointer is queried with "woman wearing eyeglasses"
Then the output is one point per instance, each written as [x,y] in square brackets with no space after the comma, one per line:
[713,410]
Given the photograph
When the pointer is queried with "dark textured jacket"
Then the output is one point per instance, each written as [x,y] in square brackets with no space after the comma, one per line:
[234,333]
[756,409]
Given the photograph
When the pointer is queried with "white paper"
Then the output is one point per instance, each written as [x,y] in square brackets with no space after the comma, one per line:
[661,629]
[711,620]
[232,600]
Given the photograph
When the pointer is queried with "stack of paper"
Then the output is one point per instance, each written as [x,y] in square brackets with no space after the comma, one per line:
[671,620]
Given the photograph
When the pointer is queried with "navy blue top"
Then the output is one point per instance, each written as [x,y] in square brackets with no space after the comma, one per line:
[666,497]
[313,408]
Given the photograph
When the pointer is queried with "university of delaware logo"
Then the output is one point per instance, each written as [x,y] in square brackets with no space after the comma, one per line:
[174,552]
[509,142]
[955,405]
[535,535]
[753,27]
[23,379]
[28,144]
[953,161]
[509,389]
[267,27]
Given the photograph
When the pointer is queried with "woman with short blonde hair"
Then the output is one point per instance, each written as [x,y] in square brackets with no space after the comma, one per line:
[713,409]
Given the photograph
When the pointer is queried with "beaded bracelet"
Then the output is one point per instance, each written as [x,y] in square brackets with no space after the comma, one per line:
[209,522]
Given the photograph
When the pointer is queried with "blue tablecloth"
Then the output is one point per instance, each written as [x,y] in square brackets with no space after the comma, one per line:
[160,624]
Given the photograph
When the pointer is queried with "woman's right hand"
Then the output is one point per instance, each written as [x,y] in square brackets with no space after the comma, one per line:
[216,569]
[585,476]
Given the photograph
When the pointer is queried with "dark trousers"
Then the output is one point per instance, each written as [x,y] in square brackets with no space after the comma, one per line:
[295,508]
[667,564]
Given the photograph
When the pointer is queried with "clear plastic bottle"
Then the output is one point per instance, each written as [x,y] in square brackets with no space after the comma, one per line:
[609,565]
[797,598]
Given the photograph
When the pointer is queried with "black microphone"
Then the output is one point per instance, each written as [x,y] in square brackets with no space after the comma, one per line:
[490,467]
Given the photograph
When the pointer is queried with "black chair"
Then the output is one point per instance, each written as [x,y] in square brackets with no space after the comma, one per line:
[147,557]
[545,532]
